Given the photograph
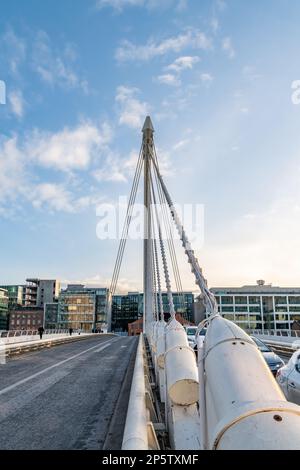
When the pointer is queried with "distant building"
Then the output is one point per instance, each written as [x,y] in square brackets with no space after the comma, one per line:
[135,328]
[51,316]
[262,306]
[26,318]
[126,309]
[79,307]
[3,309]
[38,292]
[129,307]
[15,295]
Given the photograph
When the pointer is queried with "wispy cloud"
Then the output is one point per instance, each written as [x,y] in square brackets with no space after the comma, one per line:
[14,50]
[206,77]
[113,170]
[69,149]
[55,68]
[174,70]
[228,47]
[13,180]
[17,103]
[183,63]
[180,144]
[132,111]
[169,79]
[192,38]
[65,151]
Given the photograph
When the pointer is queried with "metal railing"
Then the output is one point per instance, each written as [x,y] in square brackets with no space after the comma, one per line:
[24,336]
[17,333]
[281,333]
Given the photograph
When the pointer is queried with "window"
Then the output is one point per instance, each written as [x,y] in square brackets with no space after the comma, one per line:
[240,299]
[280,300]
[254,300]
[294,299]
[227,309]
[241,309]
[226,299]
[254,309]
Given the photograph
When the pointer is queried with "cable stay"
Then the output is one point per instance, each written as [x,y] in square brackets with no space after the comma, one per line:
[155,192]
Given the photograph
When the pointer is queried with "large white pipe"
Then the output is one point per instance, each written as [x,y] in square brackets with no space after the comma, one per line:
[245,407]
[180,365]
[160,359]
[202,401]
[135,433]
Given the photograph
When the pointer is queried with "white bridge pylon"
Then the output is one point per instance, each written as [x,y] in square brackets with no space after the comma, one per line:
[230,399]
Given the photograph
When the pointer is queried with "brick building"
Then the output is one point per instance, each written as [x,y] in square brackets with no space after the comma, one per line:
[26,318]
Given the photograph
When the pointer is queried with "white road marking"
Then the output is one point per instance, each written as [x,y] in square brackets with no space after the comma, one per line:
[11,387]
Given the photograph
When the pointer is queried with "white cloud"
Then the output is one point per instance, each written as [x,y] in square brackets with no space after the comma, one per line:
[228,47]
[17,102]
[12,171]
[69,149]
[53,196]
[132,111]
[169,79]
[182,63]
[206,77]
[112,170]
[53,67]
[14,48]
[180,144]
[192,38]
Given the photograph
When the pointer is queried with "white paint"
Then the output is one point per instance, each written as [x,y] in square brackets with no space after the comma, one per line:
[135,432]
[243,400]
[181,367]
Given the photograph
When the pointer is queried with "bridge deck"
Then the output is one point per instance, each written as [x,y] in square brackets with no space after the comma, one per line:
[73,396]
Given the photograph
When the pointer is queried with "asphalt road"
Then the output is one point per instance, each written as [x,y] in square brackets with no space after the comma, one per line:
[72,396]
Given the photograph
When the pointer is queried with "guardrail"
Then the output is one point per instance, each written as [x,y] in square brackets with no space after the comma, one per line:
[277,333]
[282,344]
[23,336]
[139,433]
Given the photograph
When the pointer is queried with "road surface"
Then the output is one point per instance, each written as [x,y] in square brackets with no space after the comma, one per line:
[72,396]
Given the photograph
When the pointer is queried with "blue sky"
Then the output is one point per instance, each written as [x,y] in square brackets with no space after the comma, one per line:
[216,77]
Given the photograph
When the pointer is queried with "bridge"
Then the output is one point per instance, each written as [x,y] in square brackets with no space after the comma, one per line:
[101,391]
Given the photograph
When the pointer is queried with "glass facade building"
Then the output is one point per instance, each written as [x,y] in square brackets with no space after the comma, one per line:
[126,309]
[15,295]
[81,308]
[129,308]
[261,307]
[3,309]
[51,316]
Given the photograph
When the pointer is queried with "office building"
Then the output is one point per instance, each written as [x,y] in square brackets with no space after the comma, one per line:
[129,308]
[51,316]
[38,292]
[3,309]
[26,318]
[261,306]
[126,309]
[81,308]
[15,295]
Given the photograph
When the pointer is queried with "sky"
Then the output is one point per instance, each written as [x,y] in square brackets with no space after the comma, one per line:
[219,79]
